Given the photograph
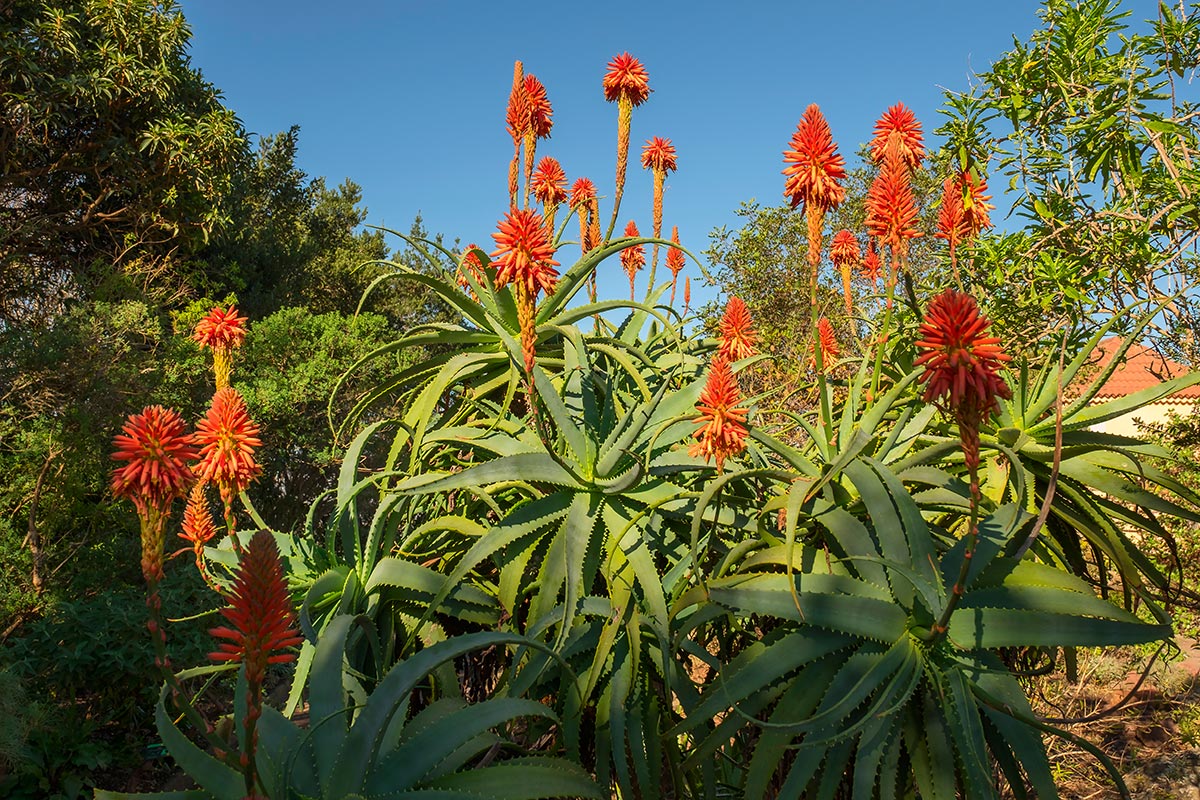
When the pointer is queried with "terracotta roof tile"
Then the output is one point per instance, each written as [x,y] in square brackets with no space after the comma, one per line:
[1140,369]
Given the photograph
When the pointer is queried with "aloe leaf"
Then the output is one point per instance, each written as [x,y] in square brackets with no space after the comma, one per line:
[213,776]
[756,668]
[417,585]
[523,779]
[979,628]
[419,754]
[857,614]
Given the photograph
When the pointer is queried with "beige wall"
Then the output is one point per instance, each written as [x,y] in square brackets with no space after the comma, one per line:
[1155,412]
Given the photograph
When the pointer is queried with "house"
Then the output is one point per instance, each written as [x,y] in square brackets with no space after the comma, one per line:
[1141,368]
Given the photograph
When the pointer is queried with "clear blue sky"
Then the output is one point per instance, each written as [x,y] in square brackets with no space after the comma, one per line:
[407,98]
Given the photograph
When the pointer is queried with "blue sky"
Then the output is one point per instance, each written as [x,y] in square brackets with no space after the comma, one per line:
[407,98]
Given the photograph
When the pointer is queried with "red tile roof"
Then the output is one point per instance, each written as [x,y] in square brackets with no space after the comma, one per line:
[1140,369]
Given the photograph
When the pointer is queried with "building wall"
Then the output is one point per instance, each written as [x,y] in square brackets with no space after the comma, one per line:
[1126,425]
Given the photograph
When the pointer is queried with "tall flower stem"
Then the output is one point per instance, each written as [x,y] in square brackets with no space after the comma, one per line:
[939,628]
[657,214]
[624,123]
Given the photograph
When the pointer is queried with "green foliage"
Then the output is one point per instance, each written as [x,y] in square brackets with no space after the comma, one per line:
[391,742]
[117,153]
[1092,125]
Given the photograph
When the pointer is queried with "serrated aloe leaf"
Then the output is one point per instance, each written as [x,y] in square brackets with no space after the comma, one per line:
[419,754]
[213,776]
[858,614]
[756,668]
[977,628]
[418,585]
[523,779]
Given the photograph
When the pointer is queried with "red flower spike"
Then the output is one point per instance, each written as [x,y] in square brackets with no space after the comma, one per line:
[626,78]
[227,438]
[844,249]
[260,616]
[722,425]
[871,267]
[976,206]
[537,107]
[951,222]
[891,207]
[687,293]
[157,447]
[899,129]
[845,255]
[633,258]
[814,168]
[198,526]
[516,115]
[524,252]
[658,154]
[827,341]
[583,191]
[961,362]
[469,265]
[737,331]
[221,328]
[675,261]
[675,258]
[549,182]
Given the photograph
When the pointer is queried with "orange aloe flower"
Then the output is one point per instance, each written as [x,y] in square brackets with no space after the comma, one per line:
[524,253]
[549,182]
[827,343]
[899,130]
[722,430]
[658,156]
[227,438]
[261,627]
[260,616]
[538,124]
[198,526]
[814,173]
[633,258]
[222,331]
[951,221]
[871,268]
[962,368]
[516,117]
[156,448]
[675,260]
[961,361]
[687,293]
[583,195]
[975,205]
[469,265]
[892,211]
[524,256]
[845,255]
[626,79]
[549,187]
[814,168]
[737,331]
[627,84]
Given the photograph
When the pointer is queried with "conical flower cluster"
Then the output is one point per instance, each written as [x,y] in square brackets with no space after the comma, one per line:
[524,253]
[737,331]
[227,439]
[722,431]
[633,257]
[221,331]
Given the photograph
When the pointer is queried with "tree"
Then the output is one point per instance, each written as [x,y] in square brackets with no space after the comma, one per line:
[1090,123]
[115,155]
